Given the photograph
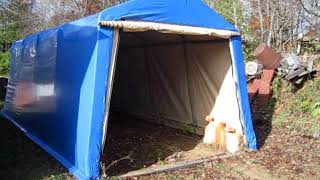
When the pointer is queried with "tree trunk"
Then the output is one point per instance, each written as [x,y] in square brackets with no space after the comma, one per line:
[271,28]
[261,21]
[235,18]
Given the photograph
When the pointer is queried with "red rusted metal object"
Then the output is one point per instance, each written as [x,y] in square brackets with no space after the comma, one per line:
[267,76]
[264,93]
[267,57]
[253,89]
[261,88]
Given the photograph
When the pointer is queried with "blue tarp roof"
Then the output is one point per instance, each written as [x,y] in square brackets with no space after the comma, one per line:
[182,12]
[68,67]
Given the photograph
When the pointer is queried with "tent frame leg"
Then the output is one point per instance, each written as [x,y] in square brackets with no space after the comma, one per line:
[113,63]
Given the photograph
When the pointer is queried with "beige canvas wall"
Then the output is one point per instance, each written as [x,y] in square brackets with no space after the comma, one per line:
[175,84]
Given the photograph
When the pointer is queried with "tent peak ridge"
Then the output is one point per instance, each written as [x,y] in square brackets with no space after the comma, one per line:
[141,26]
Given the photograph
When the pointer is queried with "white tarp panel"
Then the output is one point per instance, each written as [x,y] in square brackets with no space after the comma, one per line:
[226,106]
[141,26]
[176,84]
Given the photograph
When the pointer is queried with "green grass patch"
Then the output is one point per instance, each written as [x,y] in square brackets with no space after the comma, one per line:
[300,107]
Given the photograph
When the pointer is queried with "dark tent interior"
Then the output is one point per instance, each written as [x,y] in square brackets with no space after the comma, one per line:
[164,86]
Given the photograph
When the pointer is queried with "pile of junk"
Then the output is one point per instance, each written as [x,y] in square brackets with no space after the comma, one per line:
[268,63]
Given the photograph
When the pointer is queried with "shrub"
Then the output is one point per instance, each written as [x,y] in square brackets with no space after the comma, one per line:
[4,63]
[248,49]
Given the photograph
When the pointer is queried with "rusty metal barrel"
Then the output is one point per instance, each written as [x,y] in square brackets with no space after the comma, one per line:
[267,57]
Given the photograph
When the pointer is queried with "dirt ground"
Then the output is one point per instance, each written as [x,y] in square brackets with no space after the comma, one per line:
[271,162]
[134,144]
[282,155]
[284,152]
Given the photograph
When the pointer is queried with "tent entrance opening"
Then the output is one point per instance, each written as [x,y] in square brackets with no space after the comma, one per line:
[164,86]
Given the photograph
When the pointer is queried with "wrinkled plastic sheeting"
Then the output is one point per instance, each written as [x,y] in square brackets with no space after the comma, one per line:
[32,81]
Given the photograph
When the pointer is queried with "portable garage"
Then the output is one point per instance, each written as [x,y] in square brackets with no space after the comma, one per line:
[170,62]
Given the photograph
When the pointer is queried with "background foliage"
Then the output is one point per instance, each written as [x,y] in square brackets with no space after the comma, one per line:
[287,26]
[4,63]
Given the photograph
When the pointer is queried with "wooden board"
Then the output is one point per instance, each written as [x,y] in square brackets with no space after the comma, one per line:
[176,166]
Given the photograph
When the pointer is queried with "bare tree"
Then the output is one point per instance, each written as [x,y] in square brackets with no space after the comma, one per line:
[37,15]
[279,22]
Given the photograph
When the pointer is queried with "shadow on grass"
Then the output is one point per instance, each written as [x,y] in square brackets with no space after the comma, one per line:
[262,119]
[20,158]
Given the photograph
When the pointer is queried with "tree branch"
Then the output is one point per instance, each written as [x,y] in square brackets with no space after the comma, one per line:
[308,11]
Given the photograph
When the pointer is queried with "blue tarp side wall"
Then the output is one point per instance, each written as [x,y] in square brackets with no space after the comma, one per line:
[245,111]
[58,79]
[68,123]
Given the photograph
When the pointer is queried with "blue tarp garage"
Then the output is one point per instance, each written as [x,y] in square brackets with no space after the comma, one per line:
[170,62]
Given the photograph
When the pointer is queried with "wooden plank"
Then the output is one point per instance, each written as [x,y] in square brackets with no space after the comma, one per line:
[176,166]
